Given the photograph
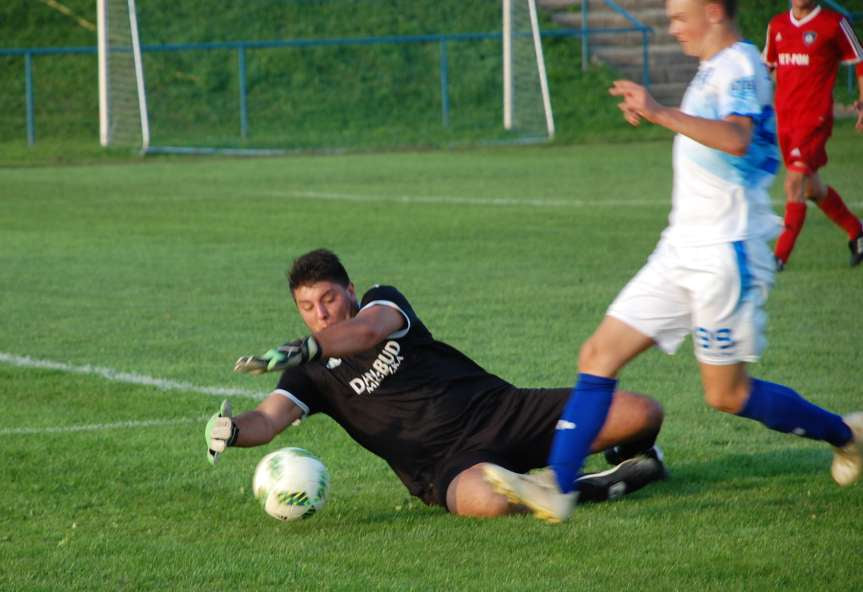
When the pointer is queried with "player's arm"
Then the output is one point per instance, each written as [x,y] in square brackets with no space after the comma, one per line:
[252,428]
[369,327]
[769,55]
[851,52]
[270,418]
[732,134]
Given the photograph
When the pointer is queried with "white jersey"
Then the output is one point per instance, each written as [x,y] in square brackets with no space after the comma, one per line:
[718,197]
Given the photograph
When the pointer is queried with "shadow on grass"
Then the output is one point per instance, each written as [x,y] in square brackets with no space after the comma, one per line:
[740,472]
[728,474]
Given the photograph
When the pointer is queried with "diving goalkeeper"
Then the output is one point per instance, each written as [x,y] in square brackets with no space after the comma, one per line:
[427,409]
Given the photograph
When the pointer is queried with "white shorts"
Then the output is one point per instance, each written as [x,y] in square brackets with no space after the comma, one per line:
[716,292]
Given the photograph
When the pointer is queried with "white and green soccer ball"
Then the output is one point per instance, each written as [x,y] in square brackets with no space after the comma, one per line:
[291,483]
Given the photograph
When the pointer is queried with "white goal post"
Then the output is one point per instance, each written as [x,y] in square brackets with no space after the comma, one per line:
[196,118]
[123,119]
[526,100]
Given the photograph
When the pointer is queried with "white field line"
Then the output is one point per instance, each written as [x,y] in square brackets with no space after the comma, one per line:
[664,202]
[98,427]
[473,201]
[117,376]
[127,377]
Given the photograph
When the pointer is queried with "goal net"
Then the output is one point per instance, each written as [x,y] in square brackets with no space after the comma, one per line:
[283,75]
[526,100]
[123,119]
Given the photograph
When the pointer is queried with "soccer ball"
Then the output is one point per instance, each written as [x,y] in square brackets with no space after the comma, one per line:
[291,483]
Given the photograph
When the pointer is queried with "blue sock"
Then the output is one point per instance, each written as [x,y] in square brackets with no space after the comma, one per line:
[781,409]
[581,421]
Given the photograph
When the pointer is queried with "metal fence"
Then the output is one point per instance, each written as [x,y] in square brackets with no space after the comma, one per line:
[28,55]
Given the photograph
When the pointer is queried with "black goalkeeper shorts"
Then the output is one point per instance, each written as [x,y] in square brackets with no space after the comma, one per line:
[516,436]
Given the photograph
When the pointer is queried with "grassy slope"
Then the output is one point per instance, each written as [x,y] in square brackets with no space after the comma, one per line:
[326,97]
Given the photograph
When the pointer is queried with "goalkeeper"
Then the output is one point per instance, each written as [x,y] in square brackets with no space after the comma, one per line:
[427,409]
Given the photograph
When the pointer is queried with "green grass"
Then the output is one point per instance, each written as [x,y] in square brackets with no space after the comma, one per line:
[173,267]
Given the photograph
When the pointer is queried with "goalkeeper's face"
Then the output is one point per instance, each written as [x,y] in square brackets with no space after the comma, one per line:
[325,303]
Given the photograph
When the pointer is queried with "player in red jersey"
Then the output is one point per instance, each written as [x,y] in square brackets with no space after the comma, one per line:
[804,48]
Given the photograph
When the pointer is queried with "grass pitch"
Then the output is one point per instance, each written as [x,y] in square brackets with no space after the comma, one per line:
[171,268]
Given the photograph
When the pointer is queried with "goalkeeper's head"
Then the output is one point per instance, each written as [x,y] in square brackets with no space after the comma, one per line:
[321,289]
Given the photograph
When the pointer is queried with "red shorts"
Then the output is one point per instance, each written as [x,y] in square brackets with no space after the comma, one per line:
[805,142]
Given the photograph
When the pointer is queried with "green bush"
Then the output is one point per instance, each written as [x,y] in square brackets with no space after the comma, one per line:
[346,96]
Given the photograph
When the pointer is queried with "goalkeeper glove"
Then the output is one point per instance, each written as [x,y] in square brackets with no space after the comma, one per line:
[221,432]
[288,355]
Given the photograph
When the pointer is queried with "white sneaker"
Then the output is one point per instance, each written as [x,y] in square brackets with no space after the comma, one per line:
[848,460]
[538,491]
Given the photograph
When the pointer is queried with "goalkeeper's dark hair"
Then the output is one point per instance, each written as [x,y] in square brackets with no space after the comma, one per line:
[320,265]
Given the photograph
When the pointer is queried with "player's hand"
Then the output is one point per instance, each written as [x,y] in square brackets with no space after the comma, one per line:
[288,355]
[251,365]
[221,432]
[292,354]
[629,115]
[637,103]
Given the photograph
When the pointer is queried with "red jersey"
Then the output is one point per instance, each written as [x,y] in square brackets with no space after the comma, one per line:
[806,54]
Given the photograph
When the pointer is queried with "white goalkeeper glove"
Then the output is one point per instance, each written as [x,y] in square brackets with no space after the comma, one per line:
[288,355]
[221,432]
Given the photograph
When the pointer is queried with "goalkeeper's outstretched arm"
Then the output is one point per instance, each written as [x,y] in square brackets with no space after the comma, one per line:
[364,331]
[360,333]
[266,421]
[252,428]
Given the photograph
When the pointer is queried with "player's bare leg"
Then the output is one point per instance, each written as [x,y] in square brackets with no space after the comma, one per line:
[632,417]
[815,189]
[611,347]
[726,388]
[796,181]
[551,494]
[628,437]
[730,389]
[801,185]
[469,495]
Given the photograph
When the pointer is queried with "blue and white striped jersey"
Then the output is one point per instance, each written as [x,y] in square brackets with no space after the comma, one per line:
[718,197]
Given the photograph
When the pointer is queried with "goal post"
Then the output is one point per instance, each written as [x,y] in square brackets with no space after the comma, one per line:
[526,99]
[274,76]
[123,119]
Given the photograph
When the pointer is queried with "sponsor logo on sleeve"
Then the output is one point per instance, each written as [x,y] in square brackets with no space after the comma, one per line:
[743,88]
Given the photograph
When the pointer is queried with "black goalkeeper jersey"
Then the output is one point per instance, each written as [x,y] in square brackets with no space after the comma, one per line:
[411,399]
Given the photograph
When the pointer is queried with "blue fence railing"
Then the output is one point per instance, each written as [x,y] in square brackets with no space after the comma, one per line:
[637,25]
[29,87]
[242,47]
[839,8]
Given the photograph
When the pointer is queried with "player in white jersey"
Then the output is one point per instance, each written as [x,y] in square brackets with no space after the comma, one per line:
[712,269]
[709,275]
